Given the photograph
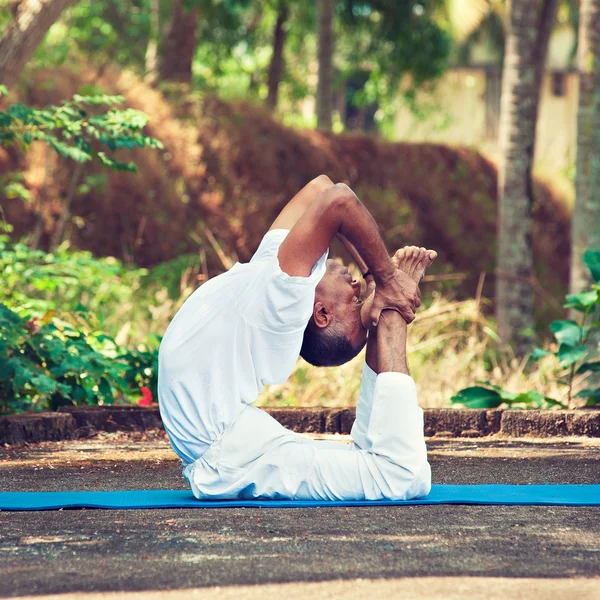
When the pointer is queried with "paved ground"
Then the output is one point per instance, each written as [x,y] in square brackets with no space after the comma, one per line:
[426,551]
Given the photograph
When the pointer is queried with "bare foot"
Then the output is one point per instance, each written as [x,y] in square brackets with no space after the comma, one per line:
[414,261]
[411,260]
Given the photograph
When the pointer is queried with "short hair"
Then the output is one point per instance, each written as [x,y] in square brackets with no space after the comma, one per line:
[327,346]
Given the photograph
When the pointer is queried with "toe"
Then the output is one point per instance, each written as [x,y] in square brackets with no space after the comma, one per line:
[423,260]
[399,258]
[431,255]
[414,257]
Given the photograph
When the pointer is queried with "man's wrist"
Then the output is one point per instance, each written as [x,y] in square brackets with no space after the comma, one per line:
[385,274]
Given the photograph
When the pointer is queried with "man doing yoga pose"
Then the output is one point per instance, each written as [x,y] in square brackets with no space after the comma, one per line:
[245,329]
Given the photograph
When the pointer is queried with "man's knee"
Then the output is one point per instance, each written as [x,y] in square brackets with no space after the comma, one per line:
[405,482]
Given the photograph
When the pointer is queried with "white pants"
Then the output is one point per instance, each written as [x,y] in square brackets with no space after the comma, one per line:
[258,457]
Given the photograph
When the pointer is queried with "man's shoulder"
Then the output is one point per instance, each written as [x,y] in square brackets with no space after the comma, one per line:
[269,245]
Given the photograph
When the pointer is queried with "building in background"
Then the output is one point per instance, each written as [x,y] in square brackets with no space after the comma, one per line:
[465,107]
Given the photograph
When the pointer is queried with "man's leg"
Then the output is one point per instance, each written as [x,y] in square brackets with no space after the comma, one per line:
[391,344]
[276,463]
[413,261]
[387,461]
[393,461]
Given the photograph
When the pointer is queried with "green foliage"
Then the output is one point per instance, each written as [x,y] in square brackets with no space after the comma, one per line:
[492,396]
[109,31]
[12,187]
[54,350]
[573,348]
[385,39]
[77,130]
[477,397]
[592,259]
[396,38]
[35,282]
[47,363]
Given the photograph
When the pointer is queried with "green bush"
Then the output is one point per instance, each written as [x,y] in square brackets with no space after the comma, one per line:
[77,129]
[35,281]
[46,363]
[51,305]
[574,349]
[56,351]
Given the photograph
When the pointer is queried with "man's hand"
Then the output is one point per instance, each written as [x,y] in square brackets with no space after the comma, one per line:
[399,293]
[411,262]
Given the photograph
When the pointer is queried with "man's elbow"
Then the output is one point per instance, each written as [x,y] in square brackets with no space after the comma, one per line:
[321,183]
[339,199]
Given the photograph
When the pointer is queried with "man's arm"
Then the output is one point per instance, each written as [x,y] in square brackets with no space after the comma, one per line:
[337,210]
[301,202]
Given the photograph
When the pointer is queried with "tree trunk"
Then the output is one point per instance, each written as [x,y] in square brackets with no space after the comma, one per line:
[526,48]
[32,20]
[325,56]
[276,66]
[180,45]
[151,59]
[586,213]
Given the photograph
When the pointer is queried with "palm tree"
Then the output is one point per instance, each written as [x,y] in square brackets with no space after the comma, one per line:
[180,45]
[529,25]
[324,106]
[276,65]
[586,213]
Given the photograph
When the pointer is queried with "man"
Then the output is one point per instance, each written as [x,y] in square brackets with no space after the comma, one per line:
[245,328]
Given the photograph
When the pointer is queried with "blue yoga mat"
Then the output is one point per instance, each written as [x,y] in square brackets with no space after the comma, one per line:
[541,495]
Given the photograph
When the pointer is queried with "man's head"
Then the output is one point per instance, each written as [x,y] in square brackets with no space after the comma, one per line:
[335,333]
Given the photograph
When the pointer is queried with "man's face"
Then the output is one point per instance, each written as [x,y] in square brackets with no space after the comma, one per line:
[341,295]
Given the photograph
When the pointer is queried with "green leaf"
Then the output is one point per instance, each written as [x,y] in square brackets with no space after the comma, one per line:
[531,398]
[477,397]
[67,151]
[115,164]
[105,390]
[567,355]
[591,258]
[98,99]
[582,301]
[15,189]
[589,367]
[510,397]
[552,402]
[566,332]
[538,353]
[43,384]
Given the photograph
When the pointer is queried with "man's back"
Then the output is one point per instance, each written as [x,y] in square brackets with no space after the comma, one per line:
[235,334]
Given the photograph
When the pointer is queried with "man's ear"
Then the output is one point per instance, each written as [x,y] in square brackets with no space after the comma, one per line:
[321,315]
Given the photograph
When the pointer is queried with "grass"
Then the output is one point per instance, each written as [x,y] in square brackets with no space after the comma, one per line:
[452,345]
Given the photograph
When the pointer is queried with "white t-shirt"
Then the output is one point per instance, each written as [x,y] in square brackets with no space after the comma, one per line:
[235,334]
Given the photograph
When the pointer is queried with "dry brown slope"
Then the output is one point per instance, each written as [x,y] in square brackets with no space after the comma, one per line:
[231,166]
